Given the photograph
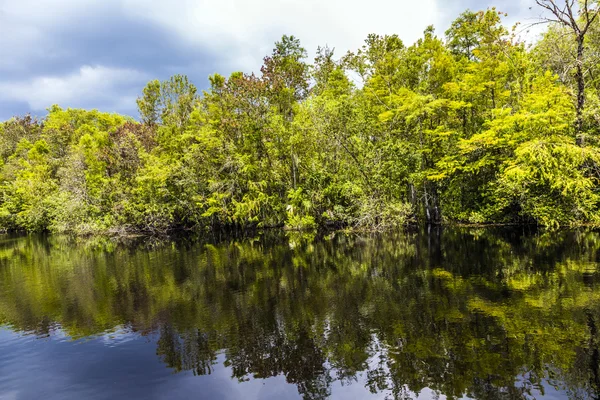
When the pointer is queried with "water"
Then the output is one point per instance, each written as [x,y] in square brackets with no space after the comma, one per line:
[453,313]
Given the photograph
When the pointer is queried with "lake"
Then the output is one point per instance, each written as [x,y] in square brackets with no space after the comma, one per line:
[435,313]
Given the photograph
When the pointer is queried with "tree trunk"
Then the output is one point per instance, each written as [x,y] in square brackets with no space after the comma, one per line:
[426,201]
[580,93]
[594,355]
[431,200]
[293,157]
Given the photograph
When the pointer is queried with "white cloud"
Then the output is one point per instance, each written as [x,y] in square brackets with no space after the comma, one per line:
[240,31]
[90,85]
[244,31]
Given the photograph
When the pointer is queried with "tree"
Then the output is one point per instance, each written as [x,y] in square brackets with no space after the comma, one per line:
[286,74]
[168,103]
[578,18]
[324,65]
[463,36]
[149,104]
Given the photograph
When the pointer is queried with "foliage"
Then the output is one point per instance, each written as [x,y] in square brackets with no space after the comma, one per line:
[472,127]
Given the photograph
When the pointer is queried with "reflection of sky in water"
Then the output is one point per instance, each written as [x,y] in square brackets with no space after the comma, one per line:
[483,314]
[124,365]
[103,368]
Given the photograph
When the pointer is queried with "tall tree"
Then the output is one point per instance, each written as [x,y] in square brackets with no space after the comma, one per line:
[578,17]
[287,78]
[286,74]
[149,105]
[169,103]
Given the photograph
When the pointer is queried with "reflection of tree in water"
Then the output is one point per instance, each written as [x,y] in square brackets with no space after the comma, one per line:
[480,313]
[188,351]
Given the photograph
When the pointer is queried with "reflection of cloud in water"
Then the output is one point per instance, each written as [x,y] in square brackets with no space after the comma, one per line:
[9,395]
[119,336]
[458,313]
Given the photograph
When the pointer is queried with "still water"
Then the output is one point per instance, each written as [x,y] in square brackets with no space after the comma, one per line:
[452,313]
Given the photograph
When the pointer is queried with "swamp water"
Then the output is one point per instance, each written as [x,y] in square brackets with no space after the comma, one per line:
[444,313]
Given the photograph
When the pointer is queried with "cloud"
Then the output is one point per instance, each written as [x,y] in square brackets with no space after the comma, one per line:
[525,12]
[87,53]
[91,86]
[243,32]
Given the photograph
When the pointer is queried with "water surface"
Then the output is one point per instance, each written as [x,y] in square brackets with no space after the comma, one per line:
[452,313]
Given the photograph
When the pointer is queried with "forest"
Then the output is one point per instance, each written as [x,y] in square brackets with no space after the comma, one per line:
[474,126]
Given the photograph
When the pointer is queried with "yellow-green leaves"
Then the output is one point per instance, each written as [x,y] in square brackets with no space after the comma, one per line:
[470,128]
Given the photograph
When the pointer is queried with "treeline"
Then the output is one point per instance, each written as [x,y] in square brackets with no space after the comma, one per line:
[473,127]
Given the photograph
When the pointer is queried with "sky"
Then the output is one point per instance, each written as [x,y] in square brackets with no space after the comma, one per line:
[101,53]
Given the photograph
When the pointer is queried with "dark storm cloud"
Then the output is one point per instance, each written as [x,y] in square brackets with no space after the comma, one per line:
[100,36]
[9,108]
[121,41]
